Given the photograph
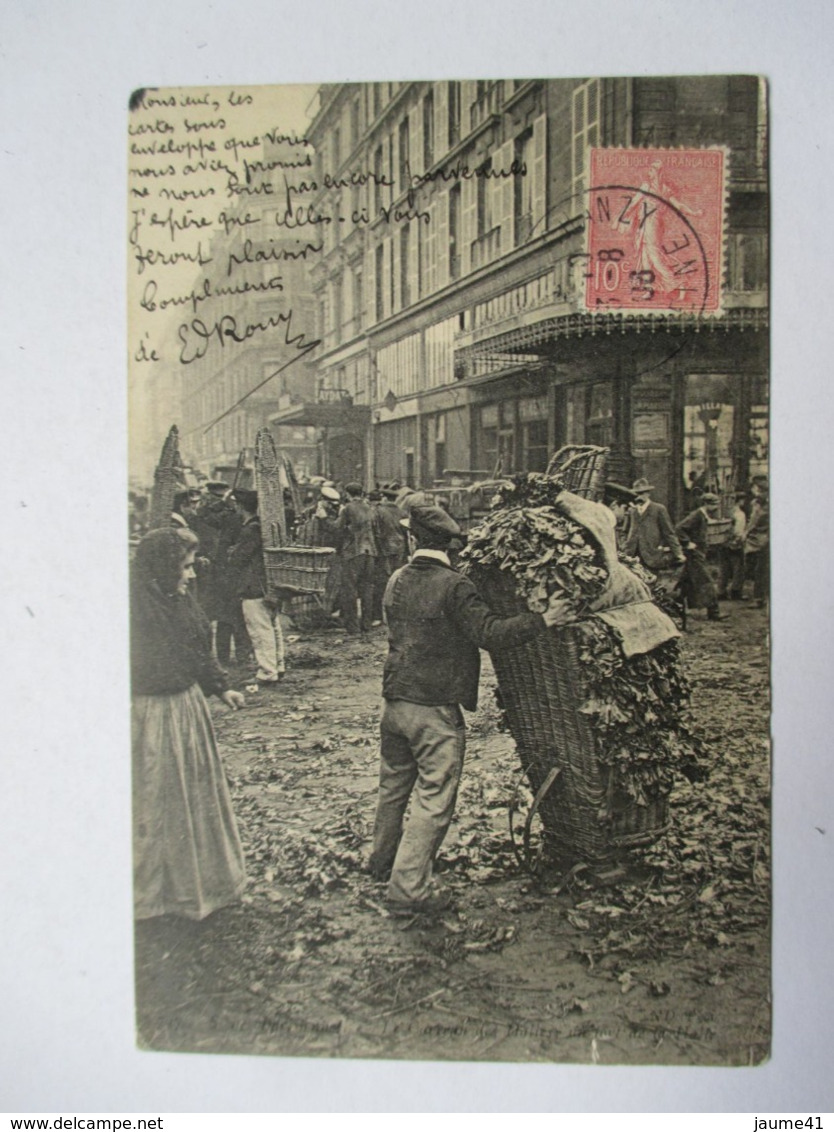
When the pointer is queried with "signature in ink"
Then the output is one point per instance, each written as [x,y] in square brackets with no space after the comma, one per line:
[196,336]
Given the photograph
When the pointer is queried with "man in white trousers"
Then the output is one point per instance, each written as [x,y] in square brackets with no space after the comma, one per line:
[246,566]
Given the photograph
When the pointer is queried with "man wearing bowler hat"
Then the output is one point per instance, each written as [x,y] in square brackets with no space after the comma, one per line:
[650,534]
[436,624]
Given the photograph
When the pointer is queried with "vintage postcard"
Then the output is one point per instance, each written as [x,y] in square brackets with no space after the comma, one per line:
[449,540]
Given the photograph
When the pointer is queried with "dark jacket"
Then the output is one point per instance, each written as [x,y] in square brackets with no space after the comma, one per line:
[651,537]
[757,533]
[170,644]
[694,529]
[437,621]
[390,532]
[697,583]
[246,570]
[357,527]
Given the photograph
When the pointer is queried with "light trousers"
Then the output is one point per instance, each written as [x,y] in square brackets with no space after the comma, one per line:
[421,757]
[264,627]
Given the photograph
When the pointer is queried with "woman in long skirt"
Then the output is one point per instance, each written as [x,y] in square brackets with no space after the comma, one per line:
[187,855]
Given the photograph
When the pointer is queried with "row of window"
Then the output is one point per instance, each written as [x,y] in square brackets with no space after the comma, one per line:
[446,114]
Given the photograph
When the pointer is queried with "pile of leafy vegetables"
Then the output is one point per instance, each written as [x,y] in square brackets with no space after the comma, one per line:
[545,552]
[636,704]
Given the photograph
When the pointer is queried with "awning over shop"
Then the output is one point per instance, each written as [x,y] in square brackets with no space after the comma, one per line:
[538,337]
[325,414]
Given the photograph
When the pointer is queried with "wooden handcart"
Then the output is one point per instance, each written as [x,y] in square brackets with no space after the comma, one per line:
[297,575]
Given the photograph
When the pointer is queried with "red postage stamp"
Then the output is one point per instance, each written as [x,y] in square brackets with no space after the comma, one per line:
[655,231]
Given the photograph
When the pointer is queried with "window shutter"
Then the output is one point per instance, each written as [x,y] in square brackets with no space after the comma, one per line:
[396,296]
[430,237]
[468,91]
[415,238]
[441,247]
[415,158]
[504,195]
[441,119]
[539,174]
[468,221]
[369,284]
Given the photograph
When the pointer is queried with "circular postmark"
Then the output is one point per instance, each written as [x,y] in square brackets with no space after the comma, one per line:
[653,227]
[644,255]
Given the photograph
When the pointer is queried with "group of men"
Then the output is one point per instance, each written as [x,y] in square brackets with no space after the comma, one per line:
[368,534]
[231,575]
[645,531]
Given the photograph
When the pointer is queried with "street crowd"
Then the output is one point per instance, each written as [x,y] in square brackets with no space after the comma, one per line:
[199,597]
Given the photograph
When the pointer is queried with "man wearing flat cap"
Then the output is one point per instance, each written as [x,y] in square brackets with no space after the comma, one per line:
[697,584]
[391,542]
[357,530]
[436,624]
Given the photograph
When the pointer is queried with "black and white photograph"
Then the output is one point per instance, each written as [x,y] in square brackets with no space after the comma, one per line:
[449,538]
[410,704]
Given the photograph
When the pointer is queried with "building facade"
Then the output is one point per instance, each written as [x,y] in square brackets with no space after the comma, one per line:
[453,338]
[256,275]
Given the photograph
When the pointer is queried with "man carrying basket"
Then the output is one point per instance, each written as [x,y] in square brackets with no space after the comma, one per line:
[436,624]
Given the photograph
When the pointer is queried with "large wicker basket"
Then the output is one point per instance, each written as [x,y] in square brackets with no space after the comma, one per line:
[298,570]
[582,467]
[542,689]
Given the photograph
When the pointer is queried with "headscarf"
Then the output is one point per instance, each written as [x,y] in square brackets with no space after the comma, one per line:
[159,558]
[169,631]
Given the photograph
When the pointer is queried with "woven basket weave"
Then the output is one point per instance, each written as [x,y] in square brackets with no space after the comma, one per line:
[167,481]
[582,468]
[298,569]
[270,491]
[542,688]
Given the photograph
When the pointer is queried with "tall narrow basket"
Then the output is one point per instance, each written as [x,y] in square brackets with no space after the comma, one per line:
[167,479]
[270,490]
[542,689]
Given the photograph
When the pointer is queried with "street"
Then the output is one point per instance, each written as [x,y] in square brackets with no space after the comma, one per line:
[669,963]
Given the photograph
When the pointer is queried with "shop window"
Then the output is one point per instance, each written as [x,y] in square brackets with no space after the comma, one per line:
[600,423]
[575,414]
[488,446]
[709,418]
